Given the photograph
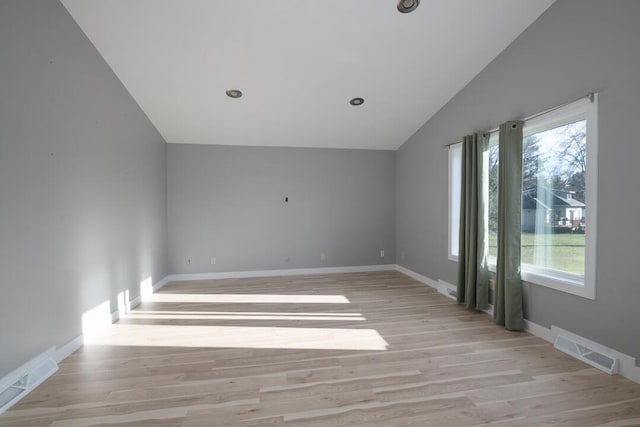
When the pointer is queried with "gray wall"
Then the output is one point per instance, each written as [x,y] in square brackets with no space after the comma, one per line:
[228,202]
[82,182]
[577,46]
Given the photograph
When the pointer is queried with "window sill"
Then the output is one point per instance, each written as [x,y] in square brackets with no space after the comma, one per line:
[570,285]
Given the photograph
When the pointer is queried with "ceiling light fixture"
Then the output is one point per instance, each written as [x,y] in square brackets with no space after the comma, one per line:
[406,6]
[356,101]
[234,93]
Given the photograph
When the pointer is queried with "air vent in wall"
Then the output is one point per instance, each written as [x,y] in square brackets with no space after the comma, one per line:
[447,289]
[19,383]
[584,352]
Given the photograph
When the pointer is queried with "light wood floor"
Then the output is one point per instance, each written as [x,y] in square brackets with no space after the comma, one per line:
[369,349]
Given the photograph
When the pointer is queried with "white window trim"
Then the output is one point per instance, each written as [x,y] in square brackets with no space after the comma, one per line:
[583,286]
[586,108]
[450,253]
[554,279]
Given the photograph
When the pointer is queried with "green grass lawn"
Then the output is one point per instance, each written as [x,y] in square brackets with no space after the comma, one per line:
[559,251]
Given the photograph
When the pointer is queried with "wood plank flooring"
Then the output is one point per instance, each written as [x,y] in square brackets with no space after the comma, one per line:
[365,349]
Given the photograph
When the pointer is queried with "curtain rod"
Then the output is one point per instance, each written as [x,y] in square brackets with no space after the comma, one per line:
[590,96]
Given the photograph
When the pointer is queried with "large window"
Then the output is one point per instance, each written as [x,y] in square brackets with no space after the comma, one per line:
[558,198]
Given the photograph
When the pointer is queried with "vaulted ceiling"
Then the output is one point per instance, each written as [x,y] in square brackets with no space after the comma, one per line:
[298,63]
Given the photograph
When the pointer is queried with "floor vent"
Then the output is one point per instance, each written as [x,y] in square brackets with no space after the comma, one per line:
[584,352]
[447,289]
[25,379]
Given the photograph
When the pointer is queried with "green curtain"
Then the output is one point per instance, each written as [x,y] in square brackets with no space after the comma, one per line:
[508,295]
[473,274]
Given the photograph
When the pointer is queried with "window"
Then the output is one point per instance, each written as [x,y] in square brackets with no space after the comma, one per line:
[455,169]
[558,198]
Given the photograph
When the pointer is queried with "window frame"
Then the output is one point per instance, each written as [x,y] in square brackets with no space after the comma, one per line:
[451,245]
[579,285]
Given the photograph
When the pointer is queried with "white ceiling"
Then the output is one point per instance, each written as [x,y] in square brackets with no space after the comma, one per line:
[298,63]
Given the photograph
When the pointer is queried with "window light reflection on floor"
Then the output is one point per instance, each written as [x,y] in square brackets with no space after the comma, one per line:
[240,316]
[250,298]
[248,313]
[217,336]
[239,337]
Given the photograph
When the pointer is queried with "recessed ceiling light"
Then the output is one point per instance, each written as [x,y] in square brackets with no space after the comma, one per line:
[233,93]
[406,6]
[356,101]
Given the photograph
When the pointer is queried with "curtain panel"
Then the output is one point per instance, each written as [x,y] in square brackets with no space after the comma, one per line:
[508,296]
[473,273]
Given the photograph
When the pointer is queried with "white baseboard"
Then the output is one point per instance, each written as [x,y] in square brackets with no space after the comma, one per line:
[418,277]
[65,350]
[539,331]
[134,303]
[270,273]
[447,289]
[159,285]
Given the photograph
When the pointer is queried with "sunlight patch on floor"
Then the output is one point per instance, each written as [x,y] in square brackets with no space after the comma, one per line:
[238,316]
[239,337]
[247,313]
[250,298]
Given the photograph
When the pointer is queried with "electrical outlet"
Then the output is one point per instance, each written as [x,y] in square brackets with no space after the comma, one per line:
[188,260]
[381,253]
[213,260]
[323,257]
